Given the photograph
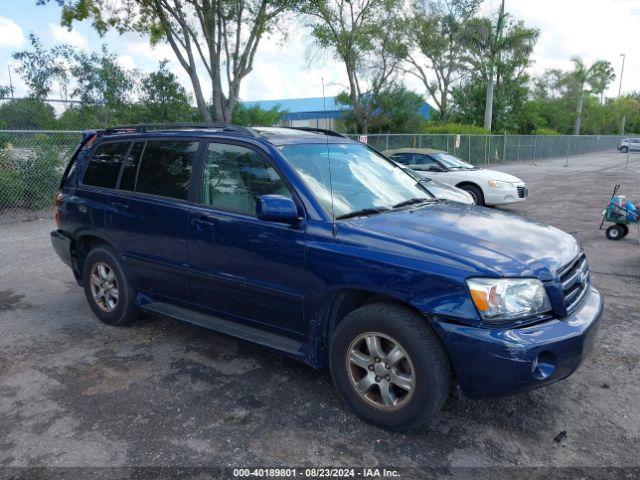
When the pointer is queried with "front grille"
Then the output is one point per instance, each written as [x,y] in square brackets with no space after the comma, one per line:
[523,191]
[575,279]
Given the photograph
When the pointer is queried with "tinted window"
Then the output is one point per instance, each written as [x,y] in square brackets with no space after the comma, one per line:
[235,176]
[130,167]
[165,168]
[104,166]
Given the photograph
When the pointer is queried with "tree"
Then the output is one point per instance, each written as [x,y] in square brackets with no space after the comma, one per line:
[435,44]
[491,42]
[41,69]
[101,80]
[162,98]
[393,110]
[254,116]
[27,114]
[219,37]
[598,76]
[363,34]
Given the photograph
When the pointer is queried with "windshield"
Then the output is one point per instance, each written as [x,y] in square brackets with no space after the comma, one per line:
[451,162]
[362,180]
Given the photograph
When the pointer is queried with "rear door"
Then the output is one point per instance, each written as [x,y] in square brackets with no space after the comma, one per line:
[86,208]
[149,215]
[250,269]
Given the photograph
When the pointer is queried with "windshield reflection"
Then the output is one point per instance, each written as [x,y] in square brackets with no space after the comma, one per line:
[451,162]
[361,179]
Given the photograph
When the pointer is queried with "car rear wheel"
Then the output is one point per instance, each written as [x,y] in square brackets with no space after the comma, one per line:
[107,289]
[475,192]
[389,366]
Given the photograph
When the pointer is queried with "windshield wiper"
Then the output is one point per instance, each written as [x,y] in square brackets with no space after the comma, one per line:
[413,201]
[362,213]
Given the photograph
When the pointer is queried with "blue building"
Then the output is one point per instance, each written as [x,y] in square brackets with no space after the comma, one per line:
[314,112]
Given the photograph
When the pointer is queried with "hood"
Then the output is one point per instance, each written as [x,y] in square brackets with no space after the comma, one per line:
[488,240]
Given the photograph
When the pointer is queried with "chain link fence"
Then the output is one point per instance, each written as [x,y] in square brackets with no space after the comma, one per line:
[32,161]
[486,149]
[31,164]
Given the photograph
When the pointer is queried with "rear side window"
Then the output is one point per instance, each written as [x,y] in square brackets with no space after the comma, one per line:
[104,166]
[165,168]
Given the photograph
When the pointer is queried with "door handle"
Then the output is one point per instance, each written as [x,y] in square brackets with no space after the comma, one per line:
[201,221]
[120,206]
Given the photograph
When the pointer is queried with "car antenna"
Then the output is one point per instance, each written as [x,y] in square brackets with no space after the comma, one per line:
[334,228]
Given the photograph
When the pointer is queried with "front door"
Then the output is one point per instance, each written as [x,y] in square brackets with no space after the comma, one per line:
[246,268]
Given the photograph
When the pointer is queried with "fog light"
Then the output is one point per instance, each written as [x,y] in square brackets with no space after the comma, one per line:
[544,365]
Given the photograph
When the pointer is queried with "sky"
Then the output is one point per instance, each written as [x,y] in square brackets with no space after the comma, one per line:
[291,68]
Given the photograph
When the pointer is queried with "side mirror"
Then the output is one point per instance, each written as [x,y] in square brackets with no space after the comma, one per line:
[434,168]
[277,208]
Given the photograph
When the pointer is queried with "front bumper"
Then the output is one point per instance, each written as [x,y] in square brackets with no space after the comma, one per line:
[496,361]
[500,196]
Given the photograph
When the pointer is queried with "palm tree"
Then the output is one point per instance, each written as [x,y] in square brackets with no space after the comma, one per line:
[488,42]
[597,77]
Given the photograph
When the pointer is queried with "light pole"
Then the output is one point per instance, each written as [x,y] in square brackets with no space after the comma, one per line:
[623,121]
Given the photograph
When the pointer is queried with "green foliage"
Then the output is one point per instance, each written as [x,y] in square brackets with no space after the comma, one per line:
[40,175]
[454,128]
[163,99]
[27,114]
[255,116]
[435,39]
[40,68]
[11,184]
[393,110]
[545,131]
[100,79]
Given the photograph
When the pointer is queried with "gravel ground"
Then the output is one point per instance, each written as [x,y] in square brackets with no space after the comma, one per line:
[74,392]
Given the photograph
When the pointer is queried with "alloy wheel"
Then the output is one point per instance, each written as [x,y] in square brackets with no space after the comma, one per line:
[104,287]
[380,370]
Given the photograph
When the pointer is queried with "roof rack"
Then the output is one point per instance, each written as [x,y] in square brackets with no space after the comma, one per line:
[145,127]
[325,131]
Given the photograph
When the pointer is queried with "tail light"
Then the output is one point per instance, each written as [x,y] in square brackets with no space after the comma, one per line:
[57,203]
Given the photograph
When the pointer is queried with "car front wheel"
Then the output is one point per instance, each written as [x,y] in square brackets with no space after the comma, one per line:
[624,149]
[475,192]
[389,366]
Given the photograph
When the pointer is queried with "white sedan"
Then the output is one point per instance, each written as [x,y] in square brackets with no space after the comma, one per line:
[487,187]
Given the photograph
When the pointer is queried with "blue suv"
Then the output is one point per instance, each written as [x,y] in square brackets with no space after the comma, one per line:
[319,247]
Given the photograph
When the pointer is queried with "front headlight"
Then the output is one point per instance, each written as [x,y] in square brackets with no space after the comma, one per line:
[499,184]
[502,300]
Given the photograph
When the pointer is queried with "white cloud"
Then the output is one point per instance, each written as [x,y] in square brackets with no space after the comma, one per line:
[126,61]
[155,53]
[12,35]
[591,29]
[71,37]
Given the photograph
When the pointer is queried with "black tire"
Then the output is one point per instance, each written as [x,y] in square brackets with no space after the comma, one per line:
[624,149]
[430,365]
[124,310]
[615,232]
[475,192]
[625,229]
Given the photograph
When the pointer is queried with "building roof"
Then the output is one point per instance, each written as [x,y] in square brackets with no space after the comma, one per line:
[300,105]
[315,107]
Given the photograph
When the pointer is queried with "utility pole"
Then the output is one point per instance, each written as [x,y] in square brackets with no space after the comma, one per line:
[623,121]
[10,81]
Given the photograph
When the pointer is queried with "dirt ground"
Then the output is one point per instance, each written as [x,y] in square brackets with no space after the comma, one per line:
[74,392]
